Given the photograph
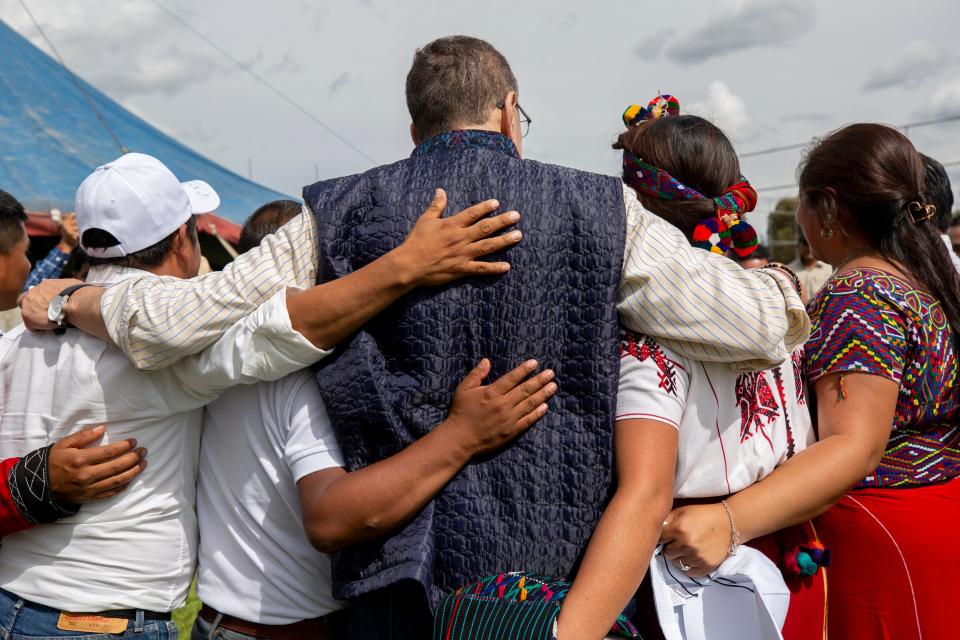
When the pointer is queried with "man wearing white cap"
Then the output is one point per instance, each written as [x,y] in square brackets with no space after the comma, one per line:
[127,561]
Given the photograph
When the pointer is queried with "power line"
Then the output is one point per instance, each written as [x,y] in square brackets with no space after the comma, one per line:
[924,123]
[801,145]
[262,81]
[779,187]
[75,79]
[782,187]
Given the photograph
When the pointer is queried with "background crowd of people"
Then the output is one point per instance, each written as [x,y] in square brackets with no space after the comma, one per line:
[473,395]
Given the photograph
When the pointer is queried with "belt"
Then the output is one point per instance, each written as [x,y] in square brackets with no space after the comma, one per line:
[314,629]
[131,614]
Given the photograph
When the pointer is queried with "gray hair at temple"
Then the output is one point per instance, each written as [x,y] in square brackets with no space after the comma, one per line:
[455,82]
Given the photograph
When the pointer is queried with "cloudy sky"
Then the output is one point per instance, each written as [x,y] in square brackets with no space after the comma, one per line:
[770,72]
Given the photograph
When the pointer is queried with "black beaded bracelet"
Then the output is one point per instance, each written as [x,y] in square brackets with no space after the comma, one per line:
[30,488]
[779,266]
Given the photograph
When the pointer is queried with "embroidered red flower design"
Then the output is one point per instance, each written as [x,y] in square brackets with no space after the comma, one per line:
[758,406]
[643,348]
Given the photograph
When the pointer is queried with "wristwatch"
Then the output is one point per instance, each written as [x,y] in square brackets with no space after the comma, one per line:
[57,311]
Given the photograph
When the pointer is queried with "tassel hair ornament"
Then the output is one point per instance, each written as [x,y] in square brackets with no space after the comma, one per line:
[805,559]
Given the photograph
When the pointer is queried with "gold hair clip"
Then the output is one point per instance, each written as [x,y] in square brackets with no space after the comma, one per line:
[920,212]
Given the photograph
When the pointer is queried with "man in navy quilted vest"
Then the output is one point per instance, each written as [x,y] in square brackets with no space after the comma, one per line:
[590,253]
[534,505]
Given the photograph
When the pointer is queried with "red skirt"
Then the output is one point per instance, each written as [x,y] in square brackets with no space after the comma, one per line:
[807,615]
[894,559]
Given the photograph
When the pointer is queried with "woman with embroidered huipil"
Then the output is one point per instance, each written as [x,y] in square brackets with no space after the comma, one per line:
[691,432]
[883,369]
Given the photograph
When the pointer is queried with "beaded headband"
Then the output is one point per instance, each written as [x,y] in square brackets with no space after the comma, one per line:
[715,233]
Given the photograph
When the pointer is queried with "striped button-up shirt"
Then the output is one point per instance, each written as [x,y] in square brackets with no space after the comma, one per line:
[700,304]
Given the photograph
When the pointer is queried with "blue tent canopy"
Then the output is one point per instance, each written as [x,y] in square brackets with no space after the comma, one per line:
[51,138]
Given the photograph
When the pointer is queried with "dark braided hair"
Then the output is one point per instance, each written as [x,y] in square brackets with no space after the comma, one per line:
[869,176]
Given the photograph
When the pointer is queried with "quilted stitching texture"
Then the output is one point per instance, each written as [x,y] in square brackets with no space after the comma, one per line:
[534,505]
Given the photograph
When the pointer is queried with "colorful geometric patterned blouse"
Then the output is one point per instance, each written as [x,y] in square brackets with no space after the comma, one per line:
[871,321]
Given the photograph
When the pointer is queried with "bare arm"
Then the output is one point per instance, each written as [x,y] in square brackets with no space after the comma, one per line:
[438,250]
[621,547]
[854,433]
[341,508]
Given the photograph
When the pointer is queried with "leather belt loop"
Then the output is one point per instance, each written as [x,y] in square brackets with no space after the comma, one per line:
[214,626]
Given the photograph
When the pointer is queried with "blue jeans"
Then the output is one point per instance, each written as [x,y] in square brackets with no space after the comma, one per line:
[24,620]
[201,631]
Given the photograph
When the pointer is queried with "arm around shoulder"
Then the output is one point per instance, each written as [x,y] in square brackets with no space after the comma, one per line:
[340,508]
[701,304]
[157,323]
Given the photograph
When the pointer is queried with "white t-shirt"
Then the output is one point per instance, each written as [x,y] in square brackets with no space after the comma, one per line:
[954,258]
[734,427]
[812,278]
[255,560]
[136,550]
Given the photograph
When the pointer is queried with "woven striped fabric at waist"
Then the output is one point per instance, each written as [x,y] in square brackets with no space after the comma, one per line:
[917,457]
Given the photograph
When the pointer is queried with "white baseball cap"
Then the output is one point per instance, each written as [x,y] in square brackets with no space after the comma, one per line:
[138,200]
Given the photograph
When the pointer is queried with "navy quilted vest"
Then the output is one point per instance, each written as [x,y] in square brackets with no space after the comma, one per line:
[534,505]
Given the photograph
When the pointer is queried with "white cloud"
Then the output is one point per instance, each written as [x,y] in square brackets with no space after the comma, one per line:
[168,73]
[725,109]
[653,46]
[908,67]
[945,100]
[746,24]
[130,48]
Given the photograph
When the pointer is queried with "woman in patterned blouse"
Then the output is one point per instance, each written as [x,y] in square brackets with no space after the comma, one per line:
[883,370]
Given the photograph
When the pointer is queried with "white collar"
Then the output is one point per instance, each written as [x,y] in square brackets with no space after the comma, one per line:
[105,274]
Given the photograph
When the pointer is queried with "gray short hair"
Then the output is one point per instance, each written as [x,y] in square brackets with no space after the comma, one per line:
[456,81]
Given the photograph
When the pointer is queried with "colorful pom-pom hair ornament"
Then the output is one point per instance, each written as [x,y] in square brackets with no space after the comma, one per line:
[719,233]
[728,227]
[662,105]
[712,234]
[744,238]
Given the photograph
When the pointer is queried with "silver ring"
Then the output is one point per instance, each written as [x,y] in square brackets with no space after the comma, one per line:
[682,566]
